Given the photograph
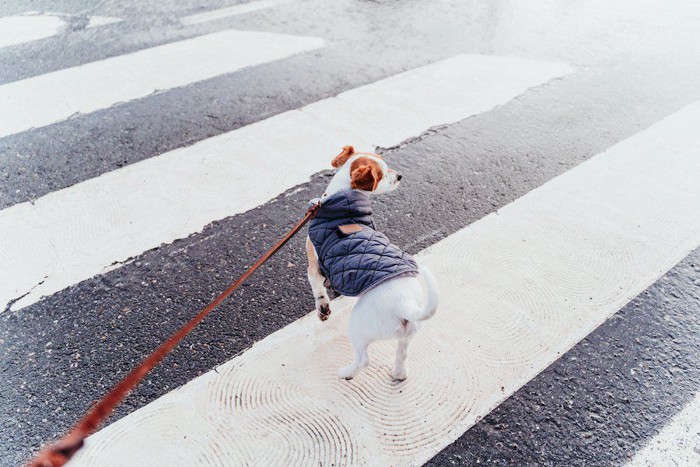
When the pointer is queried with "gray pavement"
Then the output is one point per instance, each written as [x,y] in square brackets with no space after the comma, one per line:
[636,64]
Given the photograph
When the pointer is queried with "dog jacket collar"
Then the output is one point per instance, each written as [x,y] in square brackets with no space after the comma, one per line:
[356,257]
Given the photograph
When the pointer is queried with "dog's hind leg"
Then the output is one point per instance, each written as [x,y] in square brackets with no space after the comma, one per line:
[316,279]
[399,373]
[360,362]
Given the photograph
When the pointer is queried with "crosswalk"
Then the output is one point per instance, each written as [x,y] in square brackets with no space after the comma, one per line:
[676,444]
[517,321]
[521,286]
[32,26]
[19,29]
[227,12]
[101,84]
[225,175]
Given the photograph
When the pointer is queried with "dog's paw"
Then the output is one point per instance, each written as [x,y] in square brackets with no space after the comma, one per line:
[399,375]
[323,311]
[346,373]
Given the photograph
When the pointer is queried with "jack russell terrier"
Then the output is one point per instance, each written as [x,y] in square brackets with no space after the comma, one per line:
[346,252]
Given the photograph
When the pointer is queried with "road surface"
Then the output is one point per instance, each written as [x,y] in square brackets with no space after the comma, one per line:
[550,153]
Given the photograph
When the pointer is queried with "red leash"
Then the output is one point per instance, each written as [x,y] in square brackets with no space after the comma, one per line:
[58,454]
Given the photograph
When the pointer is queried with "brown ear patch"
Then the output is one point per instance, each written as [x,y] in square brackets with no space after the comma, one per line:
[342,158]
[365,174]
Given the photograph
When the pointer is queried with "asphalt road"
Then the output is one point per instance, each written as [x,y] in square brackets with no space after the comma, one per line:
[635,64]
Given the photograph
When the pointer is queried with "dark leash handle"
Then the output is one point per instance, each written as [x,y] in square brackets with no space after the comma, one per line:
[61,452]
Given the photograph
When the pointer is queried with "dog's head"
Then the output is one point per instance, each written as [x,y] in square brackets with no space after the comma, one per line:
[362,171]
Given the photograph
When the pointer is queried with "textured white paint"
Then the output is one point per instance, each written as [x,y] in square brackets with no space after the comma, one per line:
[96,21]
[56,96]
[519,288]
[25,28]
[678,443]
[231,11]
[72,234]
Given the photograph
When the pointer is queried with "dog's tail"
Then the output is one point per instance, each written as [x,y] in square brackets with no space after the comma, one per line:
[432,297]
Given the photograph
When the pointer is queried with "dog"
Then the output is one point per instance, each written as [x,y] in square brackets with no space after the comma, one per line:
[345,251]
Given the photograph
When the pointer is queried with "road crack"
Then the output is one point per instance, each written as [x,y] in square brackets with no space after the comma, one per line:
[15,300]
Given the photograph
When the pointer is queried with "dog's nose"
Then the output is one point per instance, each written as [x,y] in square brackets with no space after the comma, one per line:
[399,177]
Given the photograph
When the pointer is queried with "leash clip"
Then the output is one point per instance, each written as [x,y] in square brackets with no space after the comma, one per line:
[314,207]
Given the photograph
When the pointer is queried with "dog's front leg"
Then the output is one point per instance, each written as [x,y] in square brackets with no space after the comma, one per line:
[316,279]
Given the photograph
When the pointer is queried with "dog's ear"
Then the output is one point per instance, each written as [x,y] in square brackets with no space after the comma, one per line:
[342,158]
[365,174]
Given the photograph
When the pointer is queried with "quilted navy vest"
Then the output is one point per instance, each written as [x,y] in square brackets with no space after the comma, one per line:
[359,261]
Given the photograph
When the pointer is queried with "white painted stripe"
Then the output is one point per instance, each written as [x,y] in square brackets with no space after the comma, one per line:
[231,11]
[96,21]
[19,29]
[56,96]
[519,288]
[677,445]
[72,234]
[32,26]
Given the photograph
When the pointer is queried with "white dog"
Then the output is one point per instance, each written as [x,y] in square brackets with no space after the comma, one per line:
[346,252]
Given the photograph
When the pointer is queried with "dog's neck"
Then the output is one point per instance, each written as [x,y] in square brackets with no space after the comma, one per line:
[339,182]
